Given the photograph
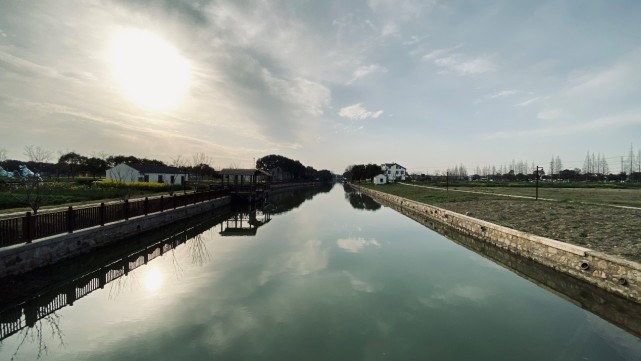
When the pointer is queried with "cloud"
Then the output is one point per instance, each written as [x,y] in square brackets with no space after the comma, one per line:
[358,112]
[390,29]
[550,114]
[365,70]
[527,102]
[497,95]
[356,244]
[308,96]
[459,63]
[595,125]
[463,65]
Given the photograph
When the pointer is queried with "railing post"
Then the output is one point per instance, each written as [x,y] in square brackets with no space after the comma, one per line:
[174,201]
[26,227]
[126,205]
[162,206]
[70,219]
[146,205]
[101,213]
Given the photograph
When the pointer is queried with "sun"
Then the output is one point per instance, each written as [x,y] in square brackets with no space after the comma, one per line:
[151,71]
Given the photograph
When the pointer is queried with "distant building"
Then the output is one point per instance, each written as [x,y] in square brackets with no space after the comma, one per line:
[146,173]
[394,171]
[380,179]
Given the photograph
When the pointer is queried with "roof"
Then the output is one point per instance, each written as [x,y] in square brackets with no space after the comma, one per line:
[163,169]
[243,172]
[391,164]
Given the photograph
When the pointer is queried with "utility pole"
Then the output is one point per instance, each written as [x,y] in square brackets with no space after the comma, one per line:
[537,183]
[447,181]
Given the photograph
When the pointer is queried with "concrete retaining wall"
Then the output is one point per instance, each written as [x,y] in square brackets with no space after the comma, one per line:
[610,273]
[26,257]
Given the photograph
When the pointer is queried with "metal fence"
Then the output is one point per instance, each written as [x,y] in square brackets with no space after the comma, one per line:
[33,226]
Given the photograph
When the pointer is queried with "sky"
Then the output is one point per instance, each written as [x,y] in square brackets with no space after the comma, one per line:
[427,84]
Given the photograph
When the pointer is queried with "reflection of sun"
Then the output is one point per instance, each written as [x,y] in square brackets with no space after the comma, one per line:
[153,279]
[151,71]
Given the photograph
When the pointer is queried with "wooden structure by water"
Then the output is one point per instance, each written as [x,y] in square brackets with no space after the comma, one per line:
[249,185]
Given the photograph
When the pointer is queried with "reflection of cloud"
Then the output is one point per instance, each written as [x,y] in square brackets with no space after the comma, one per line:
[356,244]
[457,295]
[311,258]
[359,285]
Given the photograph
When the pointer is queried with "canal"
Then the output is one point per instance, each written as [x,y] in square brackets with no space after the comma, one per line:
[324,274]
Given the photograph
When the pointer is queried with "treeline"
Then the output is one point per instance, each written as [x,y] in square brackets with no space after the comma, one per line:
[72,164]
[360,172]
[286,169]
[596,168]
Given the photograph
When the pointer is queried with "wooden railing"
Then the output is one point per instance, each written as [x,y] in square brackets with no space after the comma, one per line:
[33,226]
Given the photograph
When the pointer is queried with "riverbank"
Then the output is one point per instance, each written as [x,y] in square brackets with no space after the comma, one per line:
[603,227]
[608,272]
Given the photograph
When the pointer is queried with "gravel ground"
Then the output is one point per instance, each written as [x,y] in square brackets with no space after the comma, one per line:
[610,230]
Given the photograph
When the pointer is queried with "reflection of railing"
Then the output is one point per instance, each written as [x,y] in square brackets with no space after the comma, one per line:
[28,312]
[30,227]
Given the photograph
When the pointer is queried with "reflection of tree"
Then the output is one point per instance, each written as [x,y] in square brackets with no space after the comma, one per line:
[359,200]
[125,282]
[286,201]
[35,335]
[198,250]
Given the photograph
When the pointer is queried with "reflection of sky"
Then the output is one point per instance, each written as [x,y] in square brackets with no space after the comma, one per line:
[329,282]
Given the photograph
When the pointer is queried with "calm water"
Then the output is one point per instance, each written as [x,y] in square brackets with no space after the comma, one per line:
[338,277]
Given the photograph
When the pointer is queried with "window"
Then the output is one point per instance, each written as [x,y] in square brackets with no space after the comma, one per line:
[160,180]
[146,179]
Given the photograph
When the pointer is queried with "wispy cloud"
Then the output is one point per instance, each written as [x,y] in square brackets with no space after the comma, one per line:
[463,65]
[365,70]
[595,125]
[358,112]
[527,102]
[459,63]
[497,95]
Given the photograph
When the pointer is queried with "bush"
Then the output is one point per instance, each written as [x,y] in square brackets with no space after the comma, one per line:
[138,186]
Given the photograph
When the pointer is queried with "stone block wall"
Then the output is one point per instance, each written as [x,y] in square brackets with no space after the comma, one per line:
[607,272]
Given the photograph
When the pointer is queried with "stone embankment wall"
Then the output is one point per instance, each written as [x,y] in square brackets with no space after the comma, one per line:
[610,273]
[22,258]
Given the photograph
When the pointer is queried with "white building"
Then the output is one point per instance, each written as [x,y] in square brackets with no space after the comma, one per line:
[146,173]
[394,171]
[380,179]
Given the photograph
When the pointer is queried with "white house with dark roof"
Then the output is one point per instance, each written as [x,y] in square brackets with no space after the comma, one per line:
[394,171]
[146,173]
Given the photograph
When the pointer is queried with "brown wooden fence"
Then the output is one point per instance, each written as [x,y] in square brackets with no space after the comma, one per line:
[29,227]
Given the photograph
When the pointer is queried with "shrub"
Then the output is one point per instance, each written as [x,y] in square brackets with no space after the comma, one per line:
[139,186]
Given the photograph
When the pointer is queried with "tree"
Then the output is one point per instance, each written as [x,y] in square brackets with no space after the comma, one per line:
[3,154]
[37,154]
[72,161]
[96,166]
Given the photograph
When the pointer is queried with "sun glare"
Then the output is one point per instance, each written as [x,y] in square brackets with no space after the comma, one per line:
[153,280]
[152,73]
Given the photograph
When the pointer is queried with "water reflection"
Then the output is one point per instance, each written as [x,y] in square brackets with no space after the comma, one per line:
[359,200]
[29,303]
[286,201]
[608,306]
[245,223]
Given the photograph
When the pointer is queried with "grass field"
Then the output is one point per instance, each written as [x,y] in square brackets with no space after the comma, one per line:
[623,197]
[584,216]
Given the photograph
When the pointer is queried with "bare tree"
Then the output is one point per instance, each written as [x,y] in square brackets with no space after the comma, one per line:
[37,154]
[3,154]
[180,162]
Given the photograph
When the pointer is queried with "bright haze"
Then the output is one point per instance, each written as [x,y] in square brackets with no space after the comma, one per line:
[427,84]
